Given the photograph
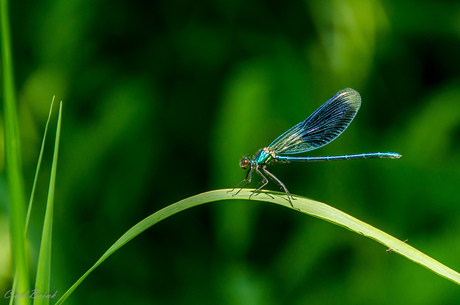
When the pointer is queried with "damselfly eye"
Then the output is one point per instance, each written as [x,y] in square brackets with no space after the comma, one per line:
[244,162]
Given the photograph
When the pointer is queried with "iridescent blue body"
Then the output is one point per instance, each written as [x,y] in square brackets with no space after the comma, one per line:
[320,128]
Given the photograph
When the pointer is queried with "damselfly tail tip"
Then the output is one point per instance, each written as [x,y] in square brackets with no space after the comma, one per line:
[397,156]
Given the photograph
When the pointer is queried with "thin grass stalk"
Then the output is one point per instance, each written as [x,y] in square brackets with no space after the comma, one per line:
[13,161]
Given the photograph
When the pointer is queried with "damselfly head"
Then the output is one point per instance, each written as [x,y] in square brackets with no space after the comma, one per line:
[245,162]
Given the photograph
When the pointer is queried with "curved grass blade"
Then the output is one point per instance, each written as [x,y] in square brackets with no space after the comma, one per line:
[42,282]
[311,207]
[37,170]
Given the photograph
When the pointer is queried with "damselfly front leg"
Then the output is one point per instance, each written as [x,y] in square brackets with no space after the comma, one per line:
[249,174]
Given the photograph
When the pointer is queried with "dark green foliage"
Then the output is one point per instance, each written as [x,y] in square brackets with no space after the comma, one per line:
[162,99]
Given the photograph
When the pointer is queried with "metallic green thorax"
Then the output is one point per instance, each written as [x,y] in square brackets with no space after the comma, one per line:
[264,156]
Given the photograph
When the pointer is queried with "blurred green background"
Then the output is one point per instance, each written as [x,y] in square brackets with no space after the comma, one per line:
[161,100]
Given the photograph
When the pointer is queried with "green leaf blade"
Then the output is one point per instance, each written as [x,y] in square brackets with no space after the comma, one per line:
[42,283]
[37,170]
[13,161]
[311,207]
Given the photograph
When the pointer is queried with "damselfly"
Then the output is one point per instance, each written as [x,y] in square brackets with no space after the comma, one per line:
[320,128]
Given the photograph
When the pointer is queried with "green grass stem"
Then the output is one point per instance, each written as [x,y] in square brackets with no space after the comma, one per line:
[42,282]
[13,161]
[37,170]
[311,207]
